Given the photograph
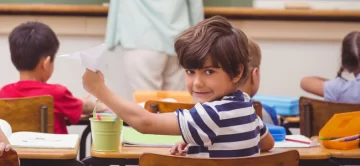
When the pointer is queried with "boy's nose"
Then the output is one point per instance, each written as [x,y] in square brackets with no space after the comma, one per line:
[198,82]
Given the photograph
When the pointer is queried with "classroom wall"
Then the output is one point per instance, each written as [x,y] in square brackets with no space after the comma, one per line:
[287,56]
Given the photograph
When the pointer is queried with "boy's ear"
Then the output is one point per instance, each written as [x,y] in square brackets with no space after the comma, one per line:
[237,78]
[255,75]
[46,62]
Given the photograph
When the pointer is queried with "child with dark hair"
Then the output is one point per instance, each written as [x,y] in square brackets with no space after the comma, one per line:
[33,46]
[340,89]
[223,123]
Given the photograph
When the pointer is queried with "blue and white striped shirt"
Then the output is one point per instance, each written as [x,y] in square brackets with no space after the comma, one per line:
[222,128]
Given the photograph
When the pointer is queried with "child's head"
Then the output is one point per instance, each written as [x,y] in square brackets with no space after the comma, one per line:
[215,58]
[251,83]
[350,54]
[33,46]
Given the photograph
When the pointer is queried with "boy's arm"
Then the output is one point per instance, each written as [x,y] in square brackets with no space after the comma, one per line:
[314,85]
[139,118]
[266,140]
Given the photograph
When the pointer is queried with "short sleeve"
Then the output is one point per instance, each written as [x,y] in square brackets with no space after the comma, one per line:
[263,128]
[193,125]
[332,88]
[68,105]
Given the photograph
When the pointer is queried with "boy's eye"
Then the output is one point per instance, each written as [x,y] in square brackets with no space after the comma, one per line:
[209,72]
[189,71]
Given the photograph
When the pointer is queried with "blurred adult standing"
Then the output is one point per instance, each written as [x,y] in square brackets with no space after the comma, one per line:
[142,34]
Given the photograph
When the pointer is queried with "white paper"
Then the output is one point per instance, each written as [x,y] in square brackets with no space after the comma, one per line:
[91,58]
[6,128]
[292,144]
[43,140]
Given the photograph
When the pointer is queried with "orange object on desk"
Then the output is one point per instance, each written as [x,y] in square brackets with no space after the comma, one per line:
[341,125]
[179,96]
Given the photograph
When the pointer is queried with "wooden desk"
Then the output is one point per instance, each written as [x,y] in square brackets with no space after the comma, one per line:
[314,153]
[292,119]
[130,155]
[54,157]
[345,157]
[30,153]
[130,152]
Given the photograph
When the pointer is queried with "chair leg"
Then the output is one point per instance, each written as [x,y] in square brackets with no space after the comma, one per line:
[84,135]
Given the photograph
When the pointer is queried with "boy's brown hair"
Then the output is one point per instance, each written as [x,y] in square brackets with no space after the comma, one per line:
[254,58]
[215,37]
[254,54]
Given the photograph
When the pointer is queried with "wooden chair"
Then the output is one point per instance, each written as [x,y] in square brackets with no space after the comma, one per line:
[287,158]
[162,106]
[179,96]
[314,114]
[10,158]
[35,114]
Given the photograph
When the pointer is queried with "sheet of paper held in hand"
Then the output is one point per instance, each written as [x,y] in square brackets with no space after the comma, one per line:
[92,58]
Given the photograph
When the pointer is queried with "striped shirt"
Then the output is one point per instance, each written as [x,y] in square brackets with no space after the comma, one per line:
[228,127]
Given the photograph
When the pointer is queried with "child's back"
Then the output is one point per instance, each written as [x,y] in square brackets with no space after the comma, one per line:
[340,89]
[228,127]
[33,47]
[65,105]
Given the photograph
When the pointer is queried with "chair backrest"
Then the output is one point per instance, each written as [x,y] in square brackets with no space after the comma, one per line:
[179,96]
[10,158]
[162,106]
[314,114]
[35,114]
[286,158]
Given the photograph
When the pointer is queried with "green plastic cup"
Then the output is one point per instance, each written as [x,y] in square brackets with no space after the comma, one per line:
[106,133]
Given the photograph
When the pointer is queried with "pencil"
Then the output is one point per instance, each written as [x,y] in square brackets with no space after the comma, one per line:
[298,141]
[348,138]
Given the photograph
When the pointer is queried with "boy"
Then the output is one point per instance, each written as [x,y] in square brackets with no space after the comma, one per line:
[252,82]
[33,46]
[223,123]
[249,85]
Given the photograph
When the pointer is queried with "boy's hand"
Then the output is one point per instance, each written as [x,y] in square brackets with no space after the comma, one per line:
[4,147]
[180,148]
[93,82]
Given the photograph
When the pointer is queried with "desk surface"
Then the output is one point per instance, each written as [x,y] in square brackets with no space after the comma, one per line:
[354,153]
[136,152]
[85,116]
[31,153]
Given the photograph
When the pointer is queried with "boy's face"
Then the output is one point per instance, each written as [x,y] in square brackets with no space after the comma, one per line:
[208,83]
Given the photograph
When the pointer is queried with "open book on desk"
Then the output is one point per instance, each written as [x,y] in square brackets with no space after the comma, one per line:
[131,137]
[43,140]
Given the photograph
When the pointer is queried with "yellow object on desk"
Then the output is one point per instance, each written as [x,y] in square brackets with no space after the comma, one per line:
[341,125]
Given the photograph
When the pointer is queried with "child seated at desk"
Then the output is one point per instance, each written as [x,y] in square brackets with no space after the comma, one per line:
[251,83]
[340,89]
[33,46]
[223,123]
